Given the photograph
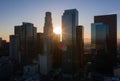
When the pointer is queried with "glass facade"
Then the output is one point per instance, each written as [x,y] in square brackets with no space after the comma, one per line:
[69,23]
[111,21]
[99,34]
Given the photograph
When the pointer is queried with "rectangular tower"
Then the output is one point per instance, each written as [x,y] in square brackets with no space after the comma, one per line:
[27,36]
[69,23]
[111,42]
[111,21]
[80,44]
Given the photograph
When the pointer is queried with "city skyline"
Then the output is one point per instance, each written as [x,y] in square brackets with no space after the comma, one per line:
[69,41]
[33,12]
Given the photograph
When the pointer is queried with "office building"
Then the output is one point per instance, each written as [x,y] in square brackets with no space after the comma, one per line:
[111,21]
[80,44]
[106,38]
[4,48]
[46,59]
[27,36]
[69,57]
[99,35]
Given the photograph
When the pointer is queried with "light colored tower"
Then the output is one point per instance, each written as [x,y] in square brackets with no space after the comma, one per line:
[48,27]
[46,59]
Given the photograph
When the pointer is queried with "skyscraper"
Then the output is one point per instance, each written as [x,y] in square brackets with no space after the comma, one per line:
[48,27]
[27,36]
[80,44]
[105,36]
[111,21]
[99,34]
[69,23]
[46,59]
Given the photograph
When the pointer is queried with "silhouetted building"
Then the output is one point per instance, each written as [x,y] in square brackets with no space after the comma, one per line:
[69,56]
[80,44]
[5,69]
[46,59]
[4,48]
[48,27]
[14,48]
[103,63]
[111,22]
[40,37]
[0,42]
[3,43]
[27,36]
[99,35]
[56,51]
[104,36]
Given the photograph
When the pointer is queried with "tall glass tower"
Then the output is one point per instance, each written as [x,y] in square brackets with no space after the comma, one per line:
[69,23]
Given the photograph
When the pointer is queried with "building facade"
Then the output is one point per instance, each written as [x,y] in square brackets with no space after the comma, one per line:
[80,44]
[106,37]
[69,23]
[27,37]
[111,21]
[14,48]
[46,59]
[99,35]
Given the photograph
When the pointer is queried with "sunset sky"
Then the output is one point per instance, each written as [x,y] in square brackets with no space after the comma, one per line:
[14,12]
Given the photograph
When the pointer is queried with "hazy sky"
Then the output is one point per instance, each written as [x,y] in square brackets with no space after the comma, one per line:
[14,12]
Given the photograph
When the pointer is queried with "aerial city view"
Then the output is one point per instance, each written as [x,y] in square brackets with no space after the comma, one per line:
[59,40]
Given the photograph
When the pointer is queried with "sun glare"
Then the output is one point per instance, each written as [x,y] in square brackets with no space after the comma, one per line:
[57,30]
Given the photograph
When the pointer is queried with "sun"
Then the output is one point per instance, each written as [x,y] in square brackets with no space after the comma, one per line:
[57,30]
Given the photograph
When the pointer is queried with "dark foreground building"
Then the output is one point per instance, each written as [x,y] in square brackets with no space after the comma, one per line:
[106,32]
[111,21]
[80,44]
